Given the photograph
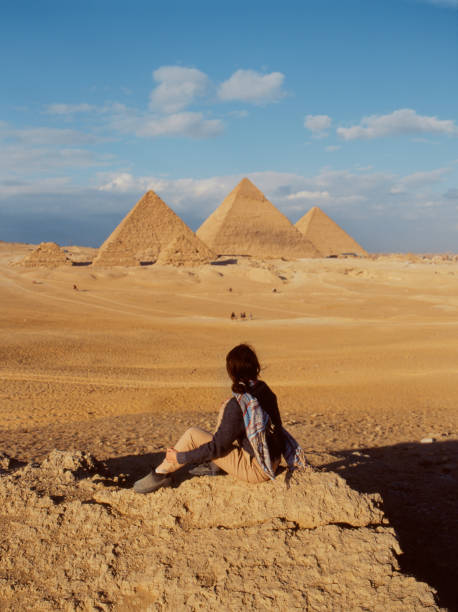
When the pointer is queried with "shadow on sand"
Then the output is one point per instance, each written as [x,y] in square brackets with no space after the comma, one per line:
[419,487]
[130,468]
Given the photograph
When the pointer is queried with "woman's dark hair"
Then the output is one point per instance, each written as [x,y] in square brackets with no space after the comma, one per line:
[242,365]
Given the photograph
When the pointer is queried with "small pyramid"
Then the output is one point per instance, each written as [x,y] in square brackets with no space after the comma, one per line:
[46,255]
[246,223]
[185,252]
[115,253]
[324,233]
[143,233]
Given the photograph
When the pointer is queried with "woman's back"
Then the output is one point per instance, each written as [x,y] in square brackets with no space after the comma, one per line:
[268,400]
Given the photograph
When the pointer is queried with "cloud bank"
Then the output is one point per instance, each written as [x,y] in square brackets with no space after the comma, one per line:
[383,211]
[402,121]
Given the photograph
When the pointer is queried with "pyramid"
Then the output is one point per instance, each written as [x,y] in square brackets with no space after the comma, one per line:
[184,251]
[46,255]
[115,253]
[246,223]
[144,232]
[324,233]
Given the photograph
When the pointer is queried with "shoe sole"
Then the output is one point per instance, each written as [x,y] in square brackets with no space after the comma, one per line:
[165,483]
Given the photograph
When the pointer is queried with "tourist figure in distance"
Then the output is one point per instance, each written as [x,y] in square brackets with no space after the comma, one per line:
[250,438]
[233,316]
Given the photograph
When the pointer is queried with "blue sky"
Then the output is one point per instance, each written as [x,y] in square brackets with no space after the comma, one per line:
[347,105]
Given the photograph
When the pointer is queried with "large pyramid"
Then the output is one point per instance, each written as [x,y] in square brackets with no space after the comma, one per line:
[144,232]
[246,223]
[324,233]
[46,255]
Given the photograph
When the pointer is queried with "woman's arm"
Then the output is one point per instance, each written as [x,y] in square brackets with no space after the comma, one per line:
[230,429]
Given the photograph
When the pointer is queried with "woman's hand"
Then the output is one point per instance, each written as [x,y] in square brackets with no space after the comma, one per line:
[171,456]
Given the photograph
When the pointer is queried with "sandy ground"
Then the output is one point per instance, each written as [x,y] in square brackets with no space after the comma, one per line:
[362,354]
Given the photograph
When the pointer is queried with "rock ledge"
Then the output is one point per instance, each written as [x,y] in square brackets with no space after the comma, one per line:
[73,540]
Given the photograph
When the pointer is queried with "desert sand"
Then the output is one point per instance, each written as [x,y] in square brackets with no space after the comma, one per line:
[363,356]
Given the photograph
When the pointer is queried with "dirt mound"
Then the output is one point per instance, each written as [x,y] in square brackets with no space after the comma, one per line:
[246,223]
[143,233]
[183,251]
[47,255]
[73,540]
[324,233]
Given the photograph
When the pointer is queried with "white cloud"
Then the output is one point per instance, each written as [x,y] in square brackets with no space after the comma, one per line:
[124,182]
[358,194]
[429,177]
[43,136]
[419,179]
[181,193]
[40,150]
[187,124]
[254,87]
[332,148]
[178,87]
[20,160]
[309,195]
[402,121]
[53,185]
[318,124]
[69,109]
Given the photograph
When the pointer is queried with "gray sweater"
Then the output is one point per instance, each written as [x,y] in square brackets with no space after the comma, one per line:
[232,430]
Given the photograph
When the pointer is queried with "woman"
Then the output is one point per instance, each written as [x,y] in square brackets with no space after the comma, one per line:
[249,440]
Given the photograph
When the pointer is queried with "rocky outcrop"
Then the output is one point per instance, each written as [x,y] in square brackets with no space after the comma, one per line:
[73,540]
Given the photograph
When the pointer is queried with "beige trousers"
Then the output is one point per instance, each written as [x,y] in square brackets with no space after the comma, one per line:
[236,462]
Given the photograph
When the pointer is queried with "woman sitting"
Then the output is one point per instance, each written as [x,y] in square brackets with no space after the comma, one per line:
[249,440]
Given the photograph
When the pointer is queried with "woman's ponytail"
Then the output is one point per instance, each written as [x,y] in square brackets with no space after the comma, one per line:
[239,386]
[242,366]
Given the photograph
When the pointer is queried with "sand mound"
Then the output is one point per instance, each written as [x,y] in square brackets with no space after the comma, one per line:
[246,223]
[185,251]
[47,255]
[324,233]
[71,542]
[144,232]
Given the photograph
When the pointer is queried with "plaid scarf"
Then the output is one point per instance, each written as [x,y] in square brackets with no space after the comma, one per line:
[256,421]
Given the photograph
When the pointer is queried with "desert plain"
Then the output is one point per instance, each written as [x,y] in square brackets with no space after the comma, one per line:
[361,352]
